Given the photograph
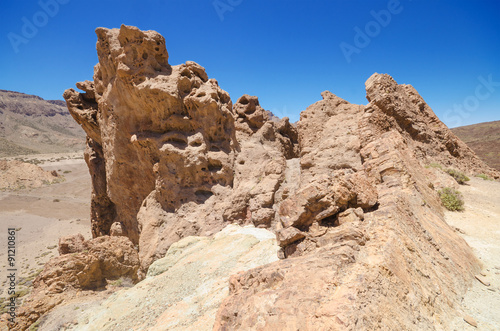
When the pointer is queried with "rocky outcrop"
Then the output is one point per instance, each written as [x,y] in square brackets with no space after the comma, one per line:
[178,130]
[360,229]
[401,108]
[82,265]
[15,175]
[363,231]
[188,285]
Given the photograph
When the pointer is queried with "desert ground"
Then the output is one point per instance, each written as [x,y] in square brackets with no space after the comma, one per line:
[42,215]
[479,225]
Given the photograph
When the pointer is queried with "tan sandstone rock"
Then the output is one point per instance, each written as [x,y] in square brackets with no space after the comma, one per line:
[183,290]
[83,265]
[16,175]
[363,243]
[162,146]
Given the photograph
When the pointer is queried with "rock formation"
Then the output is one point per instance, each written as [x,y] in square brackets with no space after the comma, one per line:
[16,175]
[363,243]
[192,274]
[82,265]
[162,146]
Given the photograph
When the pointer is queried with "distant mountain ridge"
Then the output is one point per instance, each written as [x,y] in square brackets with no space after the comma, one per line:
[483,139]
[30,125]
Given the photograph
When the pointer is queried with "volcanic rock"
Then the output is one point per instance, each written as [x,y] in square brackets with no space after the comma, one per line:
[363,242]
[162,146]
[83,265]
[182,290]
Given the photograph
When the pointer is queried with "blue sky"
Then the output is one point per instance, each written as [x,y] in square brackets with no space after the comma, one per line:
[284,51]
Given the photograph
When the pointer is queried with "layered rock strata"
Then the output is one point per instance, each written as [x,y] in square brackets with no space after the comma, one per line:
[363,243]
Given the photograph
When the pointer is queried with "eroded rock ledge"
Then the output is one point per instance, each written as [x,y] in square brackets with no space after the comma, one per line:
[363,243]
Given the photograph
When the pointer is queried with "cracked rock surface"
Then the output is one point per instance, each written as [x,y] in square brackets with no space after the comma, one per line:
[360,230]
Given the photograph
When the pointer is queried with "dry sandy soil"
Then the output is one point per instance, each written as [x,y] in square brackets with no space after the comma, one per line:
[42,215]
[479,225]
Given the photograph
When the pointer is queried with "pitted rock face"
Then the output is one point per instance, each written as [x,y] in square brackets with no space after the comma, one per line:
[150,127]
[249,115]
[360,228]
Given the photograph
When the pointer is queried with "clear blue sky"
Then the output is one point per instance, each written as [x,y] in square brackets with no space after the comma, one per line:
[284,51]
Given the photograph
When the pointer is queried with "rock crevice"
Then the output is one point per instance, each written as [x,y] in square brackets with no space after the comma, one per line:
[360,227]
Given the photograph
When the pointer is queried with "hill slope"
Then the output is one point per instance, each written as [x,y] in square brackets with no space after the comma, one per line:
[30,124]
[484,140]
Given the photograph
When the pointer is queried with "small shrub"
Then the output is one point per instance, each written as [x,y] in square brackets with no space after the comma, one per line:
[484,176]
[434,165]
[459,176]
[23,292]
[117,282]
[122,282]
[451,199]
[67,171]
[56,200]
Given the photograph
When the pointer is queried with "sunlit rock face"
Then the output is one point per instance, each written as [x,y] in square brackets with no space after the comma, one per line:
[162,146]
[359,225]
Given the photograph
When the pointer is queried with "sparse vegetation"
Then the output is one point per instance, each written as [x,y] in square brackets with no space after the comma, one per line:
[23,292]
[35,326]
[484,176]
[434,165]
[117,282]
[459,176]
[122,282]
[451,199]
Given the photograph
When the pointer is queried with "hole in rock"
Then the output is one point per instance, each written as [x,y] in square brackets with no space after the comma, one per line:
[214,166]
[292,248]
[329,221]
[203,195]
[186,73]
[177,142]
[145,56]
[214,149]
[244,101]
[195,143]
[374,208]
[250,110]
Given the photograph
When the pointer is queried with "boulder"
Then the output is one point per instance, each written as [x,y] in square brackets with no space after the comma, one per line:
[362,238]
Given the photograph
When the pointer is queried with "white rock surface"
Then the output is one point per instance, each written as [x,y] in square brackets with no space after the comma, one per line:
[184,289]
